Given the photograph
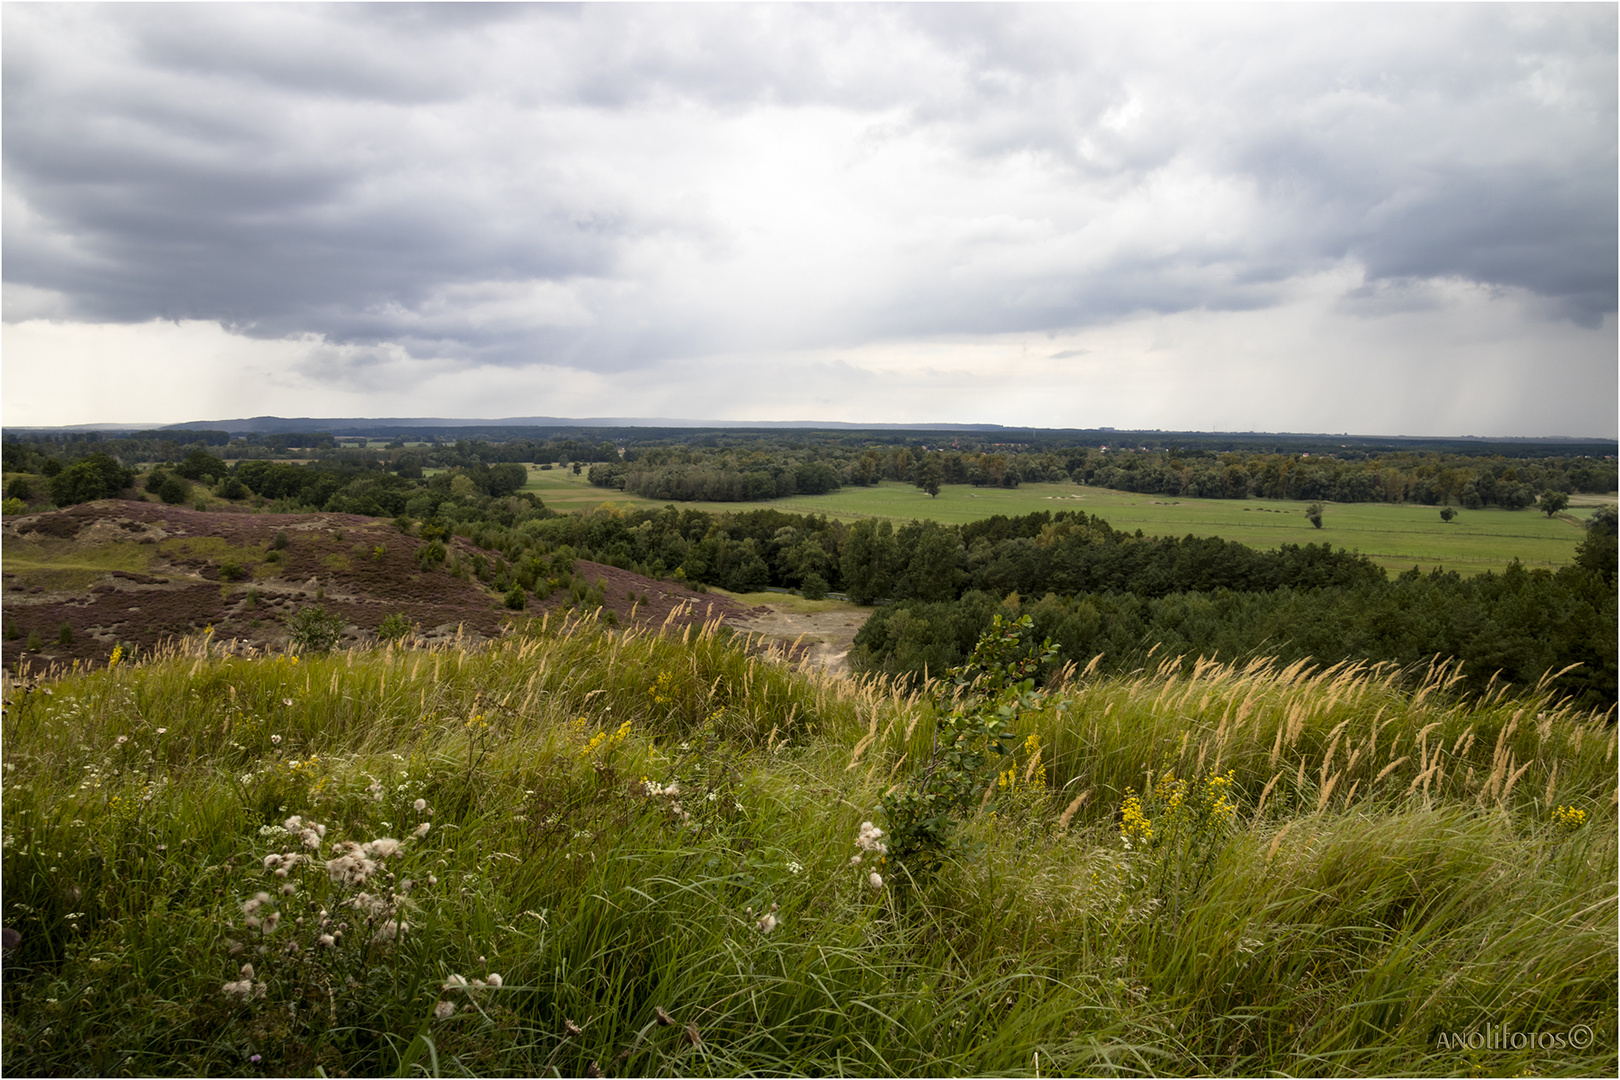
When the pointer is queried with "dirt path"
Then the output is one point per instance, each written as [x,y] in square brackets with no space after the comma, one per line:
[827,635]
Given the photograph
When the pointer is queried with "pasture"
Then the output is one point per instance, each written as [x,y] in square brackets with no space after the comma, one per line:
[1395,536]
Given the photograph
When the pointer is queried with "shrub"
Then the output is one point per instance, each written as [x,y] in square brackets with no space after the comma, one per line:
[34,642]
[9,507]
[98,476]
[393,628]
[280,540]
[314,629]
[64,636]
[173,490]
[231,570]
[431,554]
[516,598]
[971,742]
[814,586]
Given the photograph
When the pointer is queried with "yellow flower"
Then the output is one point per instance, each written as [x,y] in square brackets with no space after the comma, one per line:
[1568,819]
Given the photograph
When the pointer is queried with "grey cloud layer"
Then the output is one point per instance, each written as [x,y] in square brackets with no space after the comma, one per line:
[609,186]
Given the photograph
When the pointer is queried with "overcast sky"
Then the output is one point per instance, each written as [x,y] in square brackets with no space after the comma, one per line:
[1380,219]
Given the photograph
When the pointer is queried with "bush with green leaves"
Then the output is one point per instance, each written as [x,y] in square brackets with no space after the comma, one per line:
[97,476]
[431,554]
[173,490]
[394,628]
[814,586]
[971,741]
[314,629]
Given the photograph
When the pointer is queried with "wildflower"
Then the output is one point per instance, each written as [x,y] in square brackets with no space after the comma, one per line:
[767,923]
[293,824]
[390,930]
[794,868]
[255,1059]
[352,867]
[455,982]
[871,839]
[162,731]
[287,701]
[245,989]
[121,739]
[117,655]
[275,740]
[875,880]
[422,830]
[419,805]
[1568,818]
[444,1010]
[326,941]
[495,980]
[383,847]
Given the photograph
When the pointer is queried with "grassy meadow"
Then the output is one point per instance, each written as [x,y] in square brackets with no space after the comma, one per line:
[581,852]
[1396,536]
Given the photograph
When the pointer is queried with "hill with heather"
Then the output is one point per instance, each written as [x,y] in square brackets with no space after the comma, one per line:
[80,581]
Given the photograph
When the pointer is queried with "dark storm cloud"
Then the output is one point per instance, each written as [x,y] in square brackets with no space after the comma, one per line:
[510,184]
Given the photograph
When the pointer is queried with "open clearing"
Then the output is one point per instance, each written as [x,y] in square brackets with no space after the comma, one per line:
[1396,536]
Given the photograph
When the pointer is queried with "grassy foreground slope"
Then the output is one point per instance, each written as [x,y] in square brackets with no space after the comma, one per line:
[648,839]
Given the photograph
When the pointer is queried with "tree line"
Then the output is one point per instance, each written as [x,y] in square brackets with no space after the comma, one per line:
[669,466]
[1516,626]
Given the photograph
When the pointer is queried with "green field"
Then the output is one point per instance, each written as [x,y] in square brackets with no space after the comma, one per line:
[1396,536]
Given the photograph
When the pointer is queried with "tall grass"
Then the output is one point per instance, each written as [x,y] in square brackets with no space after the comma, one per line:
[1397,872]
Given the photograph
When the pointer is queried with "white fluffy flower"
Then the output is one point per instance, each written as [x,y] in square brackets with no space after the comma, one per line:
[875,880]
[444,1010]
[390,930]
[382,848]
[419,805]
[421,830]
[871,839]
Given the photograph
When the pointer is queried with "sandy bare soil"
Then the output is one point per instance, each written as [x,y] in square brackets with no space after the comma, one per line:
[825,636]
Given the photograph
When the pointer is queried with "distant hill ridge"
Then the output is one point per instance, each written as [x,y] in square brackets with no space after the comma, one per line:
[644,427]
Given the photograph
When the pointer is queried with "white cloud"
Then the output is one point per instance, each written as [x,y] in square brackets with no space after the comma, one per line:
[397,208]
